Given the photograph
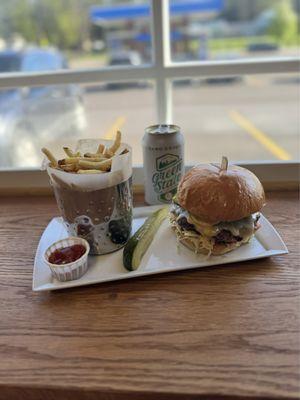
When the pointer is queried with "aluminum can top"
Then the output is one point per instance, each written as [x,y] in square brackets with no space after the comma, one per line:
[162,129]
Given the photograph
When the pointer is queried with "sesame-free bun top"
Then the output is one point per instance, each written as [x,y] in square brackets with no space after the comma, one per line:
[215,195]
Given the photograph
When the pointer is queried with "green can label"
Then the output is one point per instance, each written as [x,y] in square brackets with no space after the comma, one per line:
[167,176]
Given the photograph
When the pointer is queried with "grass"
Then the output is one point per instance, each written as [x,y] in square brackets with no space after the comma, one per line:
[75,55]
[237,43]
[215,47]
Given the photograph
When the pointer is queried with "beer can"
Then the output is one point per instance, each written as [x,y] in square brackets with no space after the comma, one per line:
[163,156]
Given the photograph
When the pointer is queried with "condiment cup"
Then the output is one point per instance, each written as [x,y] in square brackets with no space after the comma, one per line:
[72,270]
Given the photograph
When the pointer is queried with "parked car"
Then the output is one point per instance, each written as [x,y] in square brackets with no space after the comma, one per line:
[263,47]
[32,116]
[224,80]
[220,80]
[130,58]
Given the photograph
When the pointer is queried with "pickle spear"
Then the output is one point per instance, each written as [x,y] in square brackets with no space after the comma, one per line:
[138,244]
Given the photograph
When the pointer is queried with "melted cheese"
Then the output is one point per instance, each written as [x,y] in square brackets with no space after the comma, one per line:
[245,225]
[203,227]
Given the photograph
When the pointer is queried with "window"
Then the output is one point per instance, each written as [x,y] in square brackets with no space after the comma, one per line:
[231,29]
[54,116]
[119,59]
[246,117]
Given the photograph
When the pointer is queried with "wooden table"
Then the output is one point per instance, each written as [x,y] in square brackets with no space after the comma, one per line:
[218,333]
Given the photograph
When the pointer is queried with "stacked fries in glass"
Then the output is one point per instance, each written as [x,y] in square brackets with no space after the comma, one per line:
[92,186]
[88,163]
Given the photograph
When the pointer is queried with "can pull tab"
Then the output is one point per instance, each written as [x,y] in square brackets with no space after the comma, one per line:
[162,128]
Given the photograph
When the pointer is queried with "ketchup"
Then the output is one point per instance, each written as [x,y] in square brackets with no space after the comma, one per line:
[68,254]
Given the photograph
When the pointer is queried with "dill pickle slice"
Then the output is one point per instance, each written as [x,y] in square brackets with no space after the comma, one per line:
[138,244]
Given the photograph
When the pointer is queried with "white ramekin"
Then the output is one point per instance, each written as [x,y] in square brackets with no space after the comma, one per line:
[72,270]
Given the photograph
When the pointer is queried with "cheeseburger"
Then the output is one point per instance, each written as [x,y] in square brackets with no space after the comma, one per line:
[217,208]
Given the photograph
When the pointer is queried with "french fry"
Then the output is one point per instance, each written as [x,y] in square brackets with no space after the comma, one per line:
[89,171]
[98,156]
[71,160]
[100,149]
[114,147]
[108,153]
[75,160]
[69,167]
[68,152]
[105,165]
[99,165]
[94,159]
[50,156]
[71,153]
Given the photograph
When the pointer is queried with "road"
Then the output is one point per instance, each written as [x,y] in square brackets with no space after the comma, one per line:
[256,119]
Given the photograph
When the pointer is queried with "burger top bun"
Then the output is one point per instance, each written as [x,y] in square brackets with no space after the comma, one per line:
[217,195]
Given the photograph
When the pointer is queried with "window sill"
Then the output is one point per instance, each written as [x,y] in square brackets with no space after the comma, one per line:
[273,175]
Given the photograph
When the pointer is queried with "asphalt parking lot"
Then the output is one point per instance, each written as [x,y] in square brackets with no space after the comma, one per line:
[255,119]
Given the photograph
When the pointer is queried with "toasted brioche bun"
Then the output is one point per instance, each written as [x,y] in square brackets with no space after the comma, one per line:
[215,195]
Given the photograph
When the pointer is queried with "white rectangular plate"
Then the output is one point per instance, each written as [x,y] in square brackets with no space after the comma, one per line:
[163,255]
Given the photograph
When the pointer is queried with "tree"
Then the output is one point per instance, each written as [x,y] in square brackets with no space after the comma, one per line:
[245,10]
[61,23]
[19,19]
[284,26]
[58,23]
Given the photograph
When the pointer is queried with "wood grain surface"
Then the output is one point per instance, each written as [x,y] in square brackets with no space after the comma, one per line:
[227,332]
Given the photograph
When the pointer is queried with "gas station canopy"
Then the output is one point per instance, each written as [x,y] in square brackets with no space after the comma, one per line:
[135,11]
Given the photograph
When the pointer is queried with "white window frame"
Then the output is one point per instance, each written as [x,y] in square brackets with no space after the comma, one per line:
[161,71]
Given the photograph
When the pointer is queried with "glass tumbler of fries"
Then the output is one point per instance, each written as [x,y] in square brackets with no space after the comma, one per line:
[92,186]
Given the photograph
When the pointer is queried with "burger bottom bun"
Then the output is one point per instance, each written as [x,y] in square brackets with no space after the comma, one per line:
[218,249]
